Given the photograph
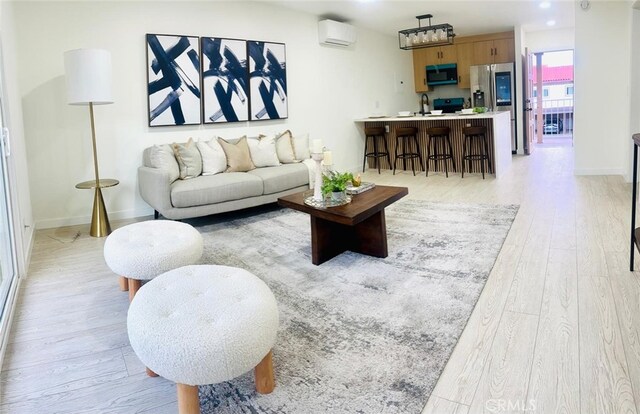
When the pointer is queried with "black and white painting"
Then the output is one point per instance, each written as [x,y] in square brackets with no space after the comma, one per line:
[225,78]
[173,79]
[267,80]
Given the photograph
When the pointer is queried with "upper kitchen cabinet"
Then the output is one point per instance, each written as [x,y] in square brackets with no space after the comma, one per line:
[493,51]
[419,70]
[465,60]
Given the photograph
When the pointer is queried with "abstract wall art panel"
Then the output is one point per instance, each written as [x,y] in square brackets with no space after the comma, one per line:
[267,80]
[173,80]
[225,80]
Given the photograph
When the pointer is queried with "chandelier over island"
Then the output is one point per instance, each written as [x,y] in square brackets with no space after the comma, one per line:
[426,36]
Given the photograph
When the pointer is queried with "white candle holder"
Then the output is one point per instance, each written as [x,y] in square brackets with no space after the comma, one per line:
[317,188]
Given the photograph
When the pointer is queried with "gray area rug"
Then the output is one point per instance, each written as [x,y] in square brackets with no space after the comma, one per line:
[360,334]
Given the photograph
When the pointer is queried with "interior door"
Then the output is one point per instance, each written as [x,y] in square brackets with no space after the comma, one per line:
[529,114]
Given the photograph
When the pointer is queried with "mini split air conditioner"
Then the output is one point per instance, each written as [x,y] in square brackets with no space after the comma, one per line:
[331,32]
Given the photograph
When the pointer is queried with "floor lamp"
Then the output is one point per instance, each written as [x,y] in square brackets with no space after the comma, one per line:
[88,79]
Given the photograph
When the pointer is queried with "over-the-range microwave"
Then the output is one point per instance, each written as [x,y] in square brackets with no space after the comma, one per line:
[446,74]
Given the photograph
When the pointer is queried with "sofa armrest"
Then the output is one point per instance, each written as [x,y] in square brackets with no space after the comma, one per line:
[155,188]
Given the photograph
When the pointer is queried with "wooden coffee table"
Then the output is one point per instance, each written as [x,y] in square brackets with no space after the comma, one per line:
[359,226]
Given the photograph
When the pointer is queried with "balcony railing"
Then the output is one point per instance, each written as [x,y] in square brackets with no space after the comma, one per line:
[557,116]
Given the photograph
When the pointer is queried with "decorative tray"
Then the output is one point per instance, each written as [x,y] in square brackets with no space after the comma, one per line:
[365,186]
[326,202]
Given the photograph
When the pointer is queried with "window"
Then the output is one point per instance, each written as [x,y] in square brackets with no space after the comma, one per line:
[545,92]
[535,93]
[568,91]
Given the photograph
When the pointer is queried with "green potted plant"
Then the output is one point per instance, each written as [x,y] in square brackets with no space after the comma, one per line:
[335,184]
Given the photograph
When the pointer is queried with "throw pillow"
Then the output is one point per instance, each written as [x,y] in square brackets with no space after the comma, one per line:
[214,160]
[161,156]
[263,151]
[238,156]
[189,159]
[301,146]
[284,148]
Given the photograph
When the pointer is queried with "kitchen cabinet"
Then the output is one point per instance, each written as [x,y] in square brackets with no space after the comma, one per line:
[493,51]
[465,58]
[419,70]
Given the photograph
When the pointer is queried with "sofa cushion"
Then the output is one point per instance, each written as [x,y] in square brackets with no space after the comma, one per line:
[189,159]
[211,189]
[162,157]
[282,177]
[214,160]
[238,155]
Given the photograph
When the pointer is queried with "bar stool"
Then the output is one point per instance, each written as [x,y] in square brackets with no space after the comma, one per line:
[475,134]
[404,135]
[440,138]
[372,133]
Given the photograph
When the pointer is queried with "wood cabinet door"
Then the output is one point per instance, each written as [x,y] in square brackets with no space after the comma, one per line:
[504,51]
[419,71]
[448,54]
[432,55]
[483,53]
[465,56]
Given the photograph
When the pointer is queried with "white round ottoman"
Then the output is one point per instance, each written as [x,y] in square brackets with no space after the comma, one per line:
[205,324]
[142,251]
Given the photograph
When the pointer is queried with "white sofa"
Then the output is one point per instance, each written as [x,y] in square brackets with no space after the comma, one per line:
[211,194]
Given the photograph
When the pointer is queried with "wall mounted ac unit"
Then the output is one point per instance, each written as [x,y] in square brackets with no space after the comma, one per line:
[336,33]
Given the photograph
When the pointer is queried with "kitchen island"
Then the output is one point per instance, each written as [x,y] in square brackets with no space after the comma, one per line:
[498,126]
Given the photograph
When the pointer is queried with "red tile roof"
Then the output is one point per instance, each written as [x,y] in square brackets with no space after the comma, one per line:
[555,73]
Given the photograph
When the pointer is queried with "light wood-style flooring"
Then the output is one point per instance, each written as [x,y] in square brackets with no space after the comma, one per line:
[556,328]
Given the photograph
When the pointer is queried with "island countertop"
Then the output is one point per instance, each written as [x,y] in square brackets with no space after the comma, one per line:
[429,117]
[498,126]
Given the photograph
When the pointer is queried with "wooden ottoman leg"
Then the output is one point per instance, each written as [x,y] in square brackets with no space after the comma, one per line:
[265,381]
[124,283]
[150,373]
[134,285]
[188,402]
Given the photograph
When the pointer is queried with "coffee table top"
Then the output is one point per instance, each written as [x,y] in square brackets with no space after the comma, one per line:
[361,207]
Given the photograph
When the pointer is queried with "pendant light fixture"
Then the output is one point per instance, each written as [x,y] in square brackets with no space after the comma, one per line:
[426,36]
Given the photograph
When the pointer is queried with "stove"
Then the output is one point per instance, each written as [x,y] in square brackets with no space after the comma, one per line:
[449,105]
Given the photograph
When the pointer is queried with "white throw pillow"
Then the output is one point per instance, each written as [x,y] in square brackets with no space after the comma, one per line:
[214,160]
[284,148]
[301,147]
[263,151]
[162,157]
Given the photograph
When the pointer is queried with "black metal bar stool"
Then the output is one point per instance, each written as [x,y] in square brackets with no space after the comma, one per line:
[404,135]
[440,138]
[372,133]
[476,134]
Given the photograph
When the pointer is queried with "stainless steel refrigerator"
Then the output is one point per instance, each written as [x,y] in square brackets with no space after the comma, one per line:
[493,86]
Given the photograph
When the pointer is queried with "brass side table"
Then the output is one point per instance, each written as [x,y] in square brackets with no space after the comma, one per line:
[100,226]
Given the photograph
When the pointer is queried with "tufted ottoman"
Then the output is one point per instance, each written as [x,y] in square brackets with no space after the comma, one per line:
[142,251]
[205,324]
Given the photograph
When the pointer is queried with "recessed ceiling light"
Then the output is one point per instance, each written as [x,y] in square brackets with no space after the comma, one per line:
[545,5]
[551,22]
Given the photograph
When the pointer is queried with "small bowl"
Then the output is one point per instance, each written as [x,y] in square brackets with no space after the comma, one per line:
[404,113]
[436,112]
[467,111]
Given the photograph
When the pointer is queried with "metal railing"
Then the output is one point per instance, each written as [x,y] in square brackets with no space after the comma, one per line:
[557,116]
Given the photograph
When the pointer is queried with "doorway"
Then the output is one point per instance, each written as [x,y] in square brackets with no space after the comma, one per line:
[553,92]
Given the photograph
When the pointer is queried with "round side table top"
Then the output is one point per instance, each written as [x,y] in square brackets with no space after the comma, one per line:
[107,182]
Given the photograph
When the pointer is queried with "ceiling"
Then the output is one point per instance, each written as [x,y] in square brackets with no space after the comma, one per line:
[468,17]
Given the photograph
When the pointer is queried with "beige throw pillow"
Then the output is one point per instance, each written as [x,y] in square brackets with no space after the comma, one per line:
[162,157]
[189,159]
[284,148]
[301,146]
[238,155]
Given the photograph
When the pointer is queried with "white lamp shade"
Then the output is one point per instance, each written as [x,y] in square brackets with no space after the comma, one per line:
[88,76]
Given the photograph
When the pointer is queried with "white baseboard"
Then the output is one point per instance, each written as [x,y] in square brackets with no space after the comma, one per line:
[72,221]
[598,171]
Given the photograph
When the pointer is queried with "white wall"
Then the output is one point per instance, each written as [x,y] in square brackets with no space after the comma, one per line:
[17,162]
[328,87]
[551,40]
[634,105]
[601,129]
